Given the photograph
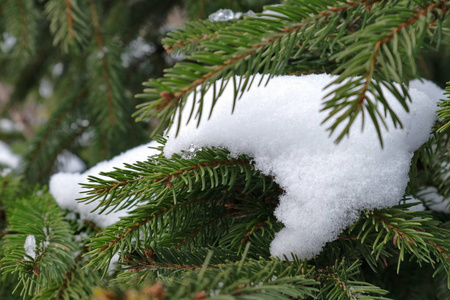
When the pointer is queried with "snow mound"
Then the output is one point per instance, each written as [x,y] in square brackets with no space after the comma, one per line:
[326,185]
[66,188]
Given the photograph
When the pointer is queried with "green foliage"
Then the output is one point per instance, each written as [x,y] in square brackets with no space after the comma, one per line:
[68,24]
[52,254]
[78,49]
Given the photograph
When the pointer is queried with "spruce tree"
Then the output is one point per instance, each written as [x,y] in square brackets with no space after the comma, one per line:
[200,223]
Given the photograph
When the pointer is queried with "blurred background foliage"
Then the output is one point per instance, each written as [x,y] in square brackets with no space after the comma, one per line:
[69,74]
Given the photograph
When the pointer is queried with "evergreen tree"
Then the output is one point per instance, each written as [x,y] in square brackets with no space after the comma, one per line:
[200,226]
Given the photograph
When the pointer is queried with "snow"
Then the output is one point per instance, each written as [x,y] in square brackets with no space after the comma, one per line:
[434,200]
[66,188]
[70,163]
[326,185]
[7,157]
[224,15]
[30,246]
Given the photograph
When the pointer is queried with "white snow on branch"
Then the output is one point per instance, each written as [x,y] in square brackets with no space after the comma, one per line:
[326,185]
[30,246]
[224,15]
[70,163]
[66,188]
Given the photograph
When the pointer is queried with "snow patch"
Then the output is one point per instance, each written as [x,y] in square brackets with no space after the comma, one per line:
[70,163]
[66,188]
[7,157]
[30,247]
[326,185]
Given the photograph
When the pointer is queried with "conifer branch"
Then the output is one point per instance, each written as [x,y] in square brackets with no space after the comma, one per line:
[45,261]
[420,237]
[187,39]
[205,226]
[108,240]
[145,180]
[71,33]
[40,160]
[21,19]
[377,64]
[68,24]
[219,60]
[104,64]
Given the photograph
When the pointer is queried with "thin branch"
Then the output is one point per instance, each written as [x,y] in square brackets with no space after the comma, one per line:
[70,19]
[100,44]
[210,223]
[68,276]
[168,178]
[54,126]
[144,221]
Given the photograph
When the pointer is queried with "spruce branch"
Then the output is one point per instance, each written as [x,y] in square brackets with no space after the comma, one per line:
[104,63]
[409,232]
[21,20]
[158,176]
[246,47]
[52,256]
[68,24]
[61,131]
[188,40]
[375,61]
[338,283]
[109,108]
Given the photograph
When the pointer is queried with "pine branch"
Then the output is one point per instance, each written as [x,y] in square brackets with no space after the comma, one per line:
[44,263]
[372,53]
[61,131]
[68,24]
[105,69]
[77,282]
[177,192]
[409,232]
[21,20]
[109,108]
[189,39]
[247,279]
[158,176]
[339,284]
[244,48]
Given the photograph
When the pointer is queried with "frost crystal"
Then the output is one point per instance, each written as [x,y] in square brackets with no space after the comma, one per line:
[326,185]
[30,246]
[192,152]
[223,15]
